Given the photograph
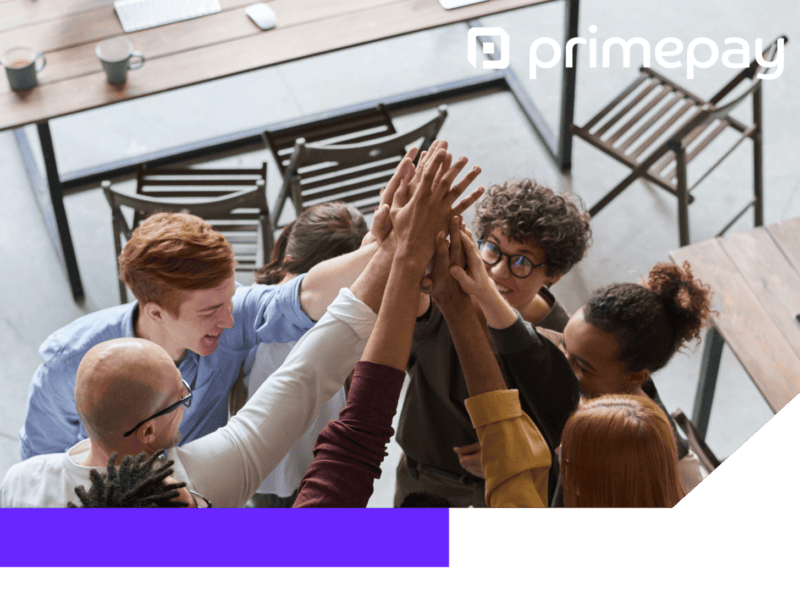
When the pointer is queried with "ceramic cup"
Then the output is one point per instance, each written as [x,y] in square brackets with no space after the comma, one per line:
[115,55]
[21,67]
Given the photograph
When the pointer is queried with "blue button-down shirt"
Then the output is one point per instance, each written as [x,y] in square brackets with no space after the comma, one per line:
[261,314]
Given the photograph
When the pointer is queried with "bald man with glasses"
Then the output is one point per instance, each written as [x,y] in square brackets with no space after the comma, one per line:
[130,397]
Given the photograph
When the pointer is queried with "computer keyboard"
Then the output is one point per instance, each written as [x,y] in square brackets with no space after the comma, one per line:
[143,14]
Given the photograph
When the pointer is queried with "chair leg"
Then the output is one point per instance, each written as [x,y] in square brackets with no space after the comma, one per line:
[683,196]
[123,292]
[267,239]
[758,181]
[625,183]
[297,195]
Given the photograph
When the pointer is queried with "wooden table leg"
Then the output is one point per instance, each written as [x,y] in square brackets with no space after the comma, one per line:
[568,76]
[57,200]
[709,368]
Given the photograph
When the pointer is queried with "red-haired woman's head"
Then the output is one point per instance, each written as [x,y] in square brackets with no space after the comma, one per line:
[620,451]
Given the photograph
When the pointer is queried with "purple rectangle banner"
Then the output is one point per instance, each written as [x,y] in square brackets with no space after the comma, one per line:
[125,537]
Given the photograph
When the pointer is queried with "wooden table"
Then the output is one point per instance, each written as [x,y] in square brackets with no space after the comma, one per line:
[208,48]
[755,277]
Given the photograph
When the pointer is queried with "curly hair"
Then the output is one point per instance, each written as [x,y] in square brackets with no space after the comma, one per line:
[135,484]
[319,233]
[654,320]
[171,253]
[525,210]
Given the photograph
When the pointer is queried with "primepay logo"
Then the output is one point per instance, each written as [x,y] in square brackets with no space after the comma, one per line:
[488,47]
[736,52]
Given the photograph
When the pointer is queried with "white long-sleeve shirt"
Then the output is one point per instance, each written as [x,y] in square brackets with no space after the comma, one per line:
[228,465]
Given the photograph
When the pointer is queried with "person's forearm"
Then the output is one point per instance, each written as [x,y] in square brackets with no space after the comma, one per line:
[390,342]
[478,362]
[349,451]
[542,374]
[514,456]
[371,283]
[323,282]
[499,314]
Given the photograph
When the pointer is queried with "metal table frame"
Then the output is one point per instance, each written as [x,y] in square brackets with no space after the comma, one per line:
[55,217]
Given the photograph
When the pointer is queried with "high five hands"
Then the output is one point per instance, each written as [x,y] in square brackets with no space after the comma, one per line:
[421,201]
[428,184]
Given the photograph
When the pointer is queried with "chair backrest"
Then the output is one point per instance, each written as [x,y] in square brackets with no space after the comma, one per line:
[340,128]
[353,173]
[211,194]
[696,441]
[713,111]
[233,201]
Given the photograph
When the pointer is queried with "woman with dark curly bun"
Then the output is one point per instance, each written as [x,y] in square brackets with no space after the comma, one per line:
[627,331]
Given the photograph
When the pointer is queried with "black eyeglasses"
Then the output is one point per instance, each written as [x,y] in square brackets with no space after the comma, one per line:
[186,401]
[520,266]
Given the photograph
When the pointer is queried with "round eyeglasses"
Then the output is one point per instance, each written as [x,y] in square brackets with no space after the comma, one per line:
[518,265]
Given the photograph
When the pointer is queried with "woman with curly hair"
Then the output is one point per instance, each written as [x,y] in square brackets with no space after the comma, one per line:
[532,237]
[525,220]
[627,331]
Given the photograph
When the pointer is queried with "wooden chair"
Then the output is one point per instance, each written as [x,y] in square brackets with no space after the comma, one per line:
[696,441]
[347,158]
[233,201]
[656,128]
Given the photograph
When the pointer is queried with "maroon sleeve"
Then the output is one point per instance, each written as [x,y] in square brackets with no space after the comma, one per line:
[349,451]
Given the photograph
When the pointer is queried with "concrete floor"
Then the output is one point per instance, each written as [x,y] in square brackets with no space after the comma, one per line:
[632,234]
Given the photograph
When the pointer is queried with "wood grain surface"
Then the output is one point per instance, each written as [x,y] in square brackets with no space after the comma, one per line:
[787,237]
[194,51]
[754,289]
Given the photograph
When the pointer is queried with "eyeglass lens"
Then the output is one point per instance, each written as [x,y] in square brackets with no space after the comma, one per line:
[517,264]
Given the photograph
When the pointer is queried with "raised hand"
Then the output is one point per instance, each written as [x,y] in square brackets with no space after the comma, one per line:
[425,158]
[472,276]
[475,281]
[445,290]
[417,219]
[404,172]
[381,223]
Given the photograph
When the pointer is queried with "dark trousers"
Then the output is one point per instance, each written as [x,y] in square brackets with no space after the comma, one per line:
[459,494]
